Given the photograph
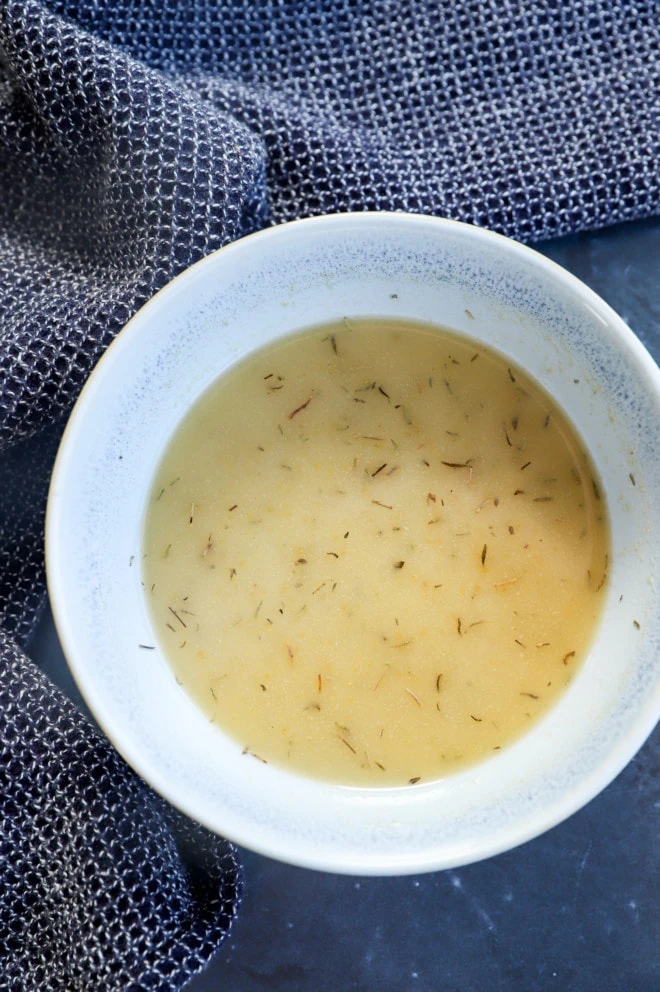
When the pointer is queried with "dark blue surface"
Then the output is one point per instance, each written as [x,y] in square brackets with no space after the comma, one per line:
[577,909]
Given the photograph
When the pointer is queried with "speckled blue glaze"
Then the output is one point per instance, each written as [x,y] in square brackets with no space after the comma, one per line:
[241,298]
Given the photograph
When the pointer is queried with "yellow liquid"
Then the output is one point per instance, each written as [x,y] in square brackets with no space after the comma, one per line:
[375,552]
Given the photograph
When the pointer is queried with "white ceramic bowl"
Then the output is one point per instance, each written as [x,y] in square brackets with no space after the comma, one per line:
[238,299]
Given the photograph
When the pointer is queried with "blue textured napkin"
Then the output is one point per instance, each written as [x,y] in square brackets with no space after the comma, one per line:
[136,137]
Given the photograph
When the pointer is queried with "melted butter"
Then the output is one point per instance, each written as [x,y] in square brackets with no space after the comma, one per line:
[375,552]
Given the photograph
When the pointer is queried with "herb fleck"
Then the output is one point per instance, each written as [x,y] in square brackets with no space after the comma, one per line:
[298,409]
[174,613]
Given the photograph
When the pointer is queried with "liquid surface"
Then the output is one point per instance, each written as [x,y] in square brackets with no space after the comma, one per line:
[375,553]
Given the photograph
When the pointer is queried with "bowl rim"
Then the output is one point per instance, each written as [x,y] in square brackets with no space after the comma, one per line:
[533,824]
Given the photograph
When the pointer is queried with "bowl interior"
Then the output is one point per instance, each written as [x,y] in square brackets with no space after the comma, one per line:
[241,298]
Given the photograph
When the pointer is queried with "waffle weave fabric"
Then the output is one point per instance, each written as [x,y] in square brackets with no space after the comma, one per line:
[135,137]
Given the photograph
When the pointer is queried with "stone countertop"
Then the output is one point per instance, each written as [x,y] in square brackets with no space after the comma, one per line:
[575,910]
